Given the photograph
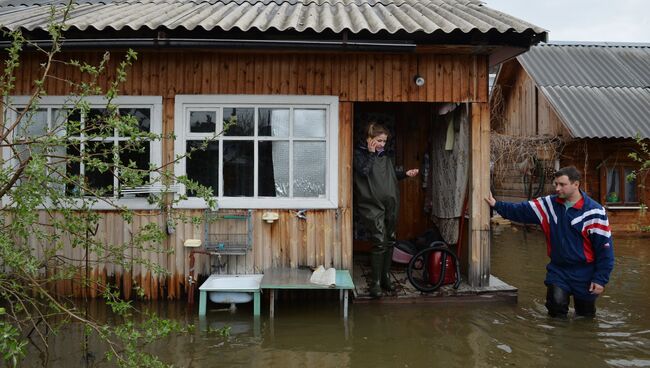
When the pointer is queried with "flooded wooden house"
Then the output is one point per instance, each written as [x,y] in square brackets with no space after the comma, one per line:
[300,78]
[592,99]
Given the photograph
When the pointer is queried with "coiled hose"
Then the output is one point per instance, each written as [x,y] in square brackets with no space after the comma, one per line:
[419,272]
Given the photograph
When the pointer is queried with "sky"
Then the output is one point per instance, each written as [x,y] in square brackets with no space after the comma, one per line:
[583,20]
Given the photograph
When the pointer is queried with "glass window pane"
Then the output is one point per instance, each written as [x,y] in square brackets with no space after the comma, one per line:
[238,168]
[203,165]
[238,121]
[309,123]
[66,121]
[99,167]
[73,151]
[309,164]
[273,169]
[630,188]
[613,185]
[203,121]
[96,123]
[23,151]
[141,115]
[134,157]
[273,123]
[33,124]
[59,162]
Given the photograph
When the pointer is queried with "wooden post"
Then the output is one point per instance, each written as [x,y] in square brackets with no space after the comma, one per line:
[479,238]
[346,114]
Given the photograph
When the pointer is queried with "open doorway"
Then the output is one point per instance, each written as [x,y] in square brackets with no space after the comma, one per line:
[410,126]
[431,137]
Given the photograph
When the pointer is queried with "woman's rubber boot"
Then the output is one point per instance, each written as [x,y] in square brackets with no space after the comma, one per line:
[385,282]
[376,265]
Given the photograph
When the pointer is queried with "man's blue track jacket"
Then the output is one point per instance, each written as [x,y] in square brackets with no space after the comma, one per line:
[578,239]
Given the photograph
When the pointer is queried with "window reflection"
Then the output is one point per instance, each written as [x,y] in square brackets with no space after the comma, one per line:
[33,124]
[309,123]
[203,121]
[141,115]
[238,121]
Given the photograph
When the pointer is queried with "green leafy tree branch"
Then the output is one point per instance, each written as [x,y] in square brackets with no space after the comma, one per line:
[47,208]
[642,157]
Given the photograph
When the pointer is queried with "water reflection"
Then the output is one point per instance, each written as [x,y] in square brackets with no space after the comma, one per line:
[418,335]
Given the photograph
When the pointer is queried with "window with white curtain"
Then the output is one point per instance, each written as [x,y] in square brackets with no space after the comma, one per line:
[259,151]
[618,190]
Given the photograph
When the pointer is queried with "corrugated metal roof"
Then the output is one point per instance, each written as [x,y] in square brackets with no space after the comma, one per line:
[602,112]
[391,16]
[596,65]
[599,90]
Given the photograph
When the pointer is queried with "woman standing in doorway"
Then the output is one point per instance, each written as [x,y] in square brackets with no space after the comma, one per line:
[376,194]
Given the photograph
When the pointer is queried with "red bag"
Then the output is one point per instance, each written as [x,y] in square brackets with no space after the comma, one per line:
[435,268]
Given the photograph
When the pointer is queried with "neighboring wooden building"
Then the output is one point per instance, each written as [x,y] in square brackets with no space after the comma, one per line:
[595,98]
[318,65]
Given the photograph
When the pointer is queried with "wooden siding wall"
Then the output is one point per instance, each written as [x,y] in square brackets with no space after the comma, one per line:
[548,122]
[325,237]
[526,110]
[512,187]
[588,155]
[519,117]
[352,77]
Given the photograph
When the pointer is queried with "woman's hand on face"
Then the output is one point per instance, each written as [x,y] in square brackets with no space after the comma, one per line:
[372,144]
[413,172]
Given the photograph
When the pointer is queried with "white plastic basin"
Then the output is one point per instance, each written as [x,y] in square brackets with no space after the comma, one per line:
[231,288]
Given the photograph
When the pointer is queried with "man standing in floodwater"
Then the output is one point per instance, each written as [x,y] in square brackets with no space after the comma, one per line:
[578,240]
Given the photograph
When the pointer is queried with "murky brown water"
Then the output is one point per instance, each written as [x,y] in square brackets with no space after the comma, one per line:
[421,335]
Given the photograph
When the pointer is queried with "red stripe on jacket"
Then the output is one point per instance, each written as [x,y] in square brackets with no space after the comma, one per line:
[546,227]
[587,248]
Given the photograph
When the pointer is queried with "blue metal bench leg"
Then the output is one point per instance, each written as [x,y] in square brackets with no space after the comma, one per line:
[256,304]
[202,303]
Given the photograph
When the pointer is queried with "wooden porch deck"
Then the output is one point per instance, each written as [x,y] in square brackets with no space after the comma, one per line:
[498,291]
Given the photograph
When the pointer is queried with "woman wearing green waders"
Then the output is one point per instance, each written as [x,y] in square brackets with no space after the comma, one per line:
[377,199]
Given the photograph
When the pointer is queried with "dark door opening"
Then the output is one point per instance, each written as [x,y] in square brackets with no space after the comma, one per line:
[410,125]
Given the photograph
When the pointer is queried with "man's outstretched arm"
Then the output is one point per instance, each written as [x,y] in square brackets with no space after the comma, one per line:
[524,212]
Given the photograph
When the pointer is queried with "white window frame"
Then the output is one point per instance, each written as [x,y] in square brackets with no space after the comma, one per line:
[185,103]
[155,147]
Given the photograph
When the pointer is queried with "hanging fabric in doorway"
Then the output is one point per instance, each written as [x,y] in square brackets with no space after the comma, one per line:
[449,170]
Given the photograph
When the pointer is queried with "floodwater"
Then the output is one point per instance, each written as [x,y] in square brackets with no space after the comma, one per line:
[312,334]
